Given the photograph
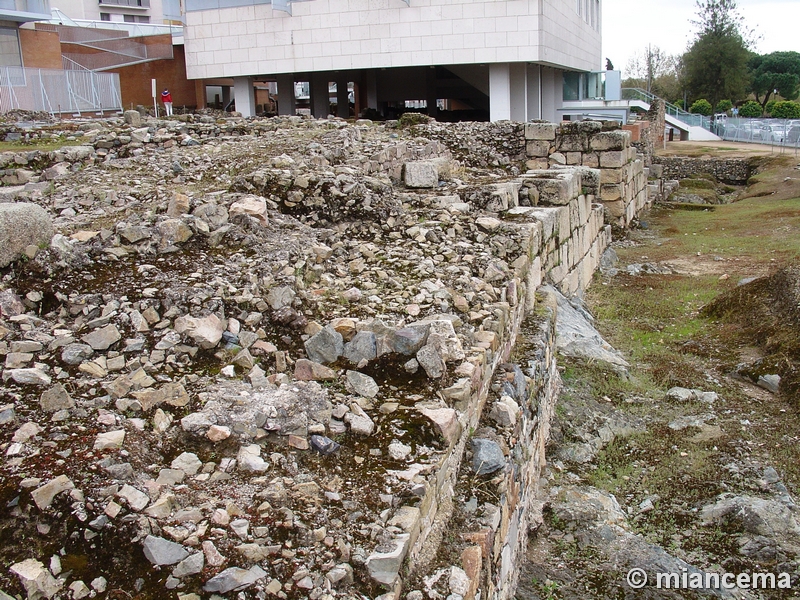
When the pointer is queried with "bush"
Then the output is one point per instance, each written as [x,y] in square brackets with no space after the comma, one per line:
[701,107]
[786,110]
[750,109]
[723,106]
[769,106]
[410,119]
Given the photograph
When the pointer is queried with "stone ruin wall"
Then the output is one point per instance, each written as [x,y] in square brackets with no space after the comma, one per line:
[623,178]
[733,171]
[582,180]
[564,238]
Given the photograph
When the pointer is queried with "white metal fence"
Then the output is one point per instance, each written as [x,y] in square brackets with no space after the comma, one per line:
[775,132]
[56,91]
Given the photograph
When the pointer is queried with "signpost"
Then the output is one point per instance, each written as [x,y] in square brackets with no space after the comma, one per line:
[155,102]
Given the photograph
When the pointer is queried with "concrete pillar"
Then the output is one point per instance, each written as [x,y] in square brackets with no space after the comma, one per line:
[548,99]
[320,105]
[430,91]
[499,92]
[245,96]
[200,93]
[534,84]
[518,73]
[558,92]
[226,96]
[371,83]
[342,100]
[286,101]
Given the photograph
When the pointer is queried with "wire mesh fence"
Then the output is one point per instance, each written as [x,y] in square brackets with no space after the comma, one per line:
[57,91]
[775,132]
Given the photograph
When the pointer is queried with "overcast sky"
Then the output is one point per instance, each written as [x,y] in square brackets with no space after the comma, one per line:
[628,27]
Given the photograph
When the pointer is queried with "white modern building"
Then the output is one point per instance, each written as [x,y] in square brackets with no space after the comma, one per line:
[496,59]
[156,12]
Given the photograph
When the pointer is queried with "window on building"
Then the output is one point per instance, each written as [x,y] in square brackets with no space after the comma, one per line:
[597,15]
[105,16]
[10,55]
[572,85]
[139,3]
[136,18]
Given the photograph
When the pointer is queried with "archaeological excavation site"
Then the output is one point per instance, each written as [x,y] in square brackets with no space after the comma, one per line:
[294,357]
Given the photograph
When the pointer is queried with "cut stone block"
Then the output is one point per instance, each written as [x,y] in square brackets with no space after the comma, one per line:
[420,174]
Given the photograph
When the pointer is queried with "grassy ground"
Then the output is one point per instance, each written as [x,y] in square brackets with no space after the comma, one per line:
[659,323]
[45,145]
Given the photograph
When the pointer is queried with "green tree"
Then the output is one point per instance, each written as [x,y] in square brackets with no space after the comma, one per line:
[775,71]
[716,62]
[701,107]
[751,108]
[723,106]
[647,66]
[786,109]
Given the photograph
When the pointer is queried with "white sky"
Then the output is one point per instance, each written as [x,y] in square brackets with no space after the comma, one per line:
[629,26]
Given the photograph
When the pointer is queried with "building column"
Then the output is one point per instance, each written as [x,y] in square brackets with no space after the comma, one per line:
[245,96]
[508,92]
[534,84]
[200,93]
[430,91]
[548,84]
[371,83]
[499,92]
[519,91]
[342,100]
[320,104]
[286,101]
[226,96]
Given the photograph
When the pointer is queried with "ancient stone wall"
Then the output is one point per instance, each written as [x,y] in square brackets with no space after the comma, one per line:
[734,171]
[562,238]
[501,541]
[623,184]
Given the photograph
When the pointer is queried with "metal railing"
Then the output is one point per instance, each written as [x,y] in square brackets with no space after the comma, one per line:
[93,30]
[669,108]
[73,90]
[774,132]
[103,48]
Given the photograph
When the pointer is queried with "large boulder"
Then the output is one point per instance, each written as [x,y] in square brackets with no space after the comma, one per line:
[21,225]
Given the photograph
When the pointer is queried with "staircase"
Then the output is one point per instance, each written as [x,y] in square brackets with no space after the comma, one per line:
[101,49]
[696,127]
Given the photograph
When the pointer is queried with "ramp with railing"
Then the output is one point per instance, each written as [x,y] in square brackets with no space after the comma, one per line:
[692,126]
[71,91]
[100,49]
[669,108]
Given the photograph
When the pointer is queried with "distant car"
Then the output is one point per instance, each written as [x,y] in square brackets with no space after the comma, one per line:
[776,132]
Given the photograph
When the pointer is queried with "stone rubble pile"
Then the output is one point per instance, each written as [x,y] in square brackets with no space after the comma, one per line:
[253,354]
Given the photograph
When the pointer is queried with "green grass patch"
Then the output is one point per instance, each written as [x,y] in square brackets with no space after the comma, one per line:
[40,145]
[753,228]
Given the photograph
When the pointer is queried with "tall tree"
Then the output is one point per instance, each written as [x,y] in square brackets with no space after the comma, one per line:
[716,62]
[775,71]
[649,65]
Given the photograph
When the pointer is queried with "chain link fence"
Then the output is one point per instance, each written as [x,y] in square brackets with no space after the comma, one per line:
[774,132]
[56,91]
